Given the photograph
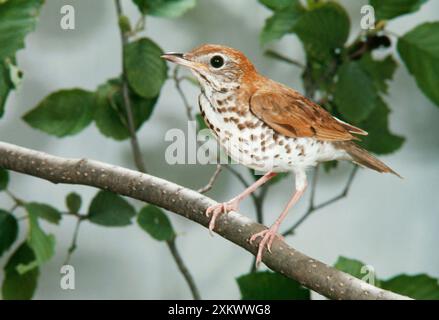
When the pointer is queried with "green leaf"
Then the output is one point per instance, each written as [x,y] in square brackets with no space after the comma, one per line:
[270,286]
[277,4]
[281,22]
[17,19]
[5,86]
[8,230]
[73,202]
[380,140]
[145,70]
[110,115]
[354,267]
[155,222]
[17,286]
[380,71]
[109,209]
[323,30]
[389,9]
[419,49]
[420,287]
[4,179]
[44,211]
[355,92]
[42,244]
[165,8]
[63,113]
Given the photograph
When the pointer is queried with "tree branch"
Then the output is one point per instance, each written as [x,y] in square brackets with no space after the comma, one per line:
[235,227]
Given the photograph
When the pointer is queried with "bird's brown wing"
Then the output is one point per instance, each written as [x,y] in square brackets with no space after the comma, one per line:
[293,115]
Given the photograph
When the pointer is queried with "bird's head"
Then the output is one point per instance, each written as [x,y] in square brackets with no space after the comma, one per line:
[215,66]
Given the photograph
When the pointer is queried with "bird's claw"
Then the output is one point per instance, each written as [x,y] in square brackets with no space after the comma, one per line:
[217,209]
[267,237]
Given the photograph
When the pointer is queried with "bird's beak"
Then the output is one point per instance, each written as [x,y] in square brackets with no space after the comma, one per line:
[181,59]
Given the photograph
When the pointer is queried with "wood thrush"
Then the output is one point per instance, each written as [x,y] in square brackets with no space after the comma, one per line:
[266,126]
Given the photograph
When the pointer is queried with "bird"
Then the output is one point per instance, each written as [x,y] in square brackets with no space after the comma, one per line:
[267,126]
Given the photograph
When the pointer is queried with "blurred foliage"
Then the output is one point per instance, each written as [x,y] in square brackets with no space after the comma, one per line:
[268,285]
[155,222]
[348,79]
[165,8]
[110,210]
[421,286]
[69,111]
[17,19]
[63,113]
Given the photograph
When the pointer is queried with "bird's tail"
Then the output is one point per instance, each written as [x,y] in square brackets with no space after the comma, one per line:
[363,158]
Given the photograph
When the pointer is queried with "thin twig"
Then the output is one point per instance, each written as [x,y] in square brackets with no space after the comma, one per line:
[138,159]
[212,180]
[312,208]
[180,91]
[18,202]
[137,155]
[74,242]
[184,271]
[278,56]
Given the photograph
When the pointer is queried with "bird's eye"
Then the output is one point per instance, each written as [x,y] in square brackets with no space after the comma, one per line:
[217,62]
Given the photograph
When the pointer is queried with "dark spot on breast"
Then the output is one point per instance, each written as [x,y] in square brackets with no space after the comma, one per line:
[220,102]
[241,126]
[250,124]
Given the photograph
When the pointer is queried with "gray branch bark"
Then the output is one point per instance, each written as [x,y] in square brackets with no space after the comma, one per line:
[235,227]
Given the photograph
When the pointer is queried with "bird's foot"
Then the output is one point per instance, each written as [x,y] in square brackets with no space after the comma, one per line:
[216,210]
[267,237]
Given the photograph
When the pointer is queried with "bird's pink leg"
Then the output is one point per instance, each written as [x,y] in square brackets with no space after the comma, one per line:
[268,235]
[233,204]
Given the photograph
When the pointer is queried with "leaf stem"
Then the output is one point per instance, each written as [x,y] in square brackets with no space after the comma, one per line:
[74,242]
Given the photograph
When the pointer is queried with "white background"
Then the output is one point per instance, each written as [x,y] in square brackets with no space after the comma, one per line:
[389,223]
